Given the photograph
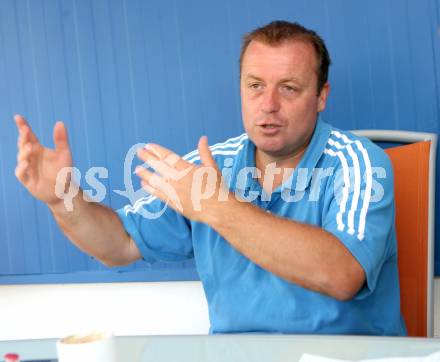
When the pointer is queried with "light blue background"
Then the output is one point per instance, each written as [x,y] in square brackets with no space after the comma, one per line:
[123,72]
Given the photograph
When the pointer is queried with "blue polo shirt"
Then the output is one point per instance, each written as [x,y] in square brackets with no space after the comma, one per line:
[343,184]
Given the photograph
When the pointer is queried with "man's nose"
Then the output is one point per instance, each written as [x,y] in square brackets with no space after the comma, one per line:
[271,101]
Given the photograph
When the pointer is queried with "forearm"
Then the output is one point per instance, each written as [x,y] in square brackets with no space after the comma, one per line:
[300,253]
[96,230]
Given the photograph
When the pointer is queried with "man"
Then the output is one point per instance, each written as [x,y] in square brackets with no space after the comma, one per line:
[292,237]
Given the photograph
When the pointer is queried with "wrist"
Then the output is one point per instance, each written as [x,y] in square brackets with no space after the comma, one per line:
[56,206]
[64,206]
[222,213]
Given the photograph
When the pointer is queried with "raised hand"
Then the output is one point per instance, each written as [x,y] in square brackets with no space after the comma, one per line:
[192,190]
[38,166]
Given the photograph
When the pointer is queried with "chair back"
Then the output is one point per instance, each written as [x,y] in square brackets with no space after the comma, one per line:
[414,177]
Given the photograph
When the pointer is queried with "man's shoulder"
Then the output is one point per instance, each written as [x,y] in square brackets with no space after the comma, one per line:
[347,146]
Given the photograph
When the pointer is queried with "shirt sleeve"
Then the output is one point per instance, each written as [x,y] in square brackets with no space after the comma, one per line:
[360,208]
[160,233]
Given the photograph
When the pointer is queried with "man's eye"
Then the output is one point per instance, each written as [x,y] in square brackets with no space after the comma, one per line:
[289,89]
[255,86]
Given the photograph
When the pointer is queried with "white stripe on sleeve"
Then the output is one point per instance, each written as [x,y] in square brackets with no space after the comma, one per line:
[357,182]
[361,222]
[346,187]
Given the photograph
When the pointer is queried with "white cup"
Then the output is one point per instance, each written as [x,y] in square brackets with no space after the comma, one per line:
[92,347]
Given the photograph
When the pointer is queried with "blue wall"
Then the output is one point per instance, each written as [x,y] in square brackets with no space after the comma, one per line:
[123,72]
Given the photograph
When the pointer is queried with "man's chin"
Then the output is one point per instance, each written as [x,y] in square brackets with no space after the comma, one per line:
[271,151]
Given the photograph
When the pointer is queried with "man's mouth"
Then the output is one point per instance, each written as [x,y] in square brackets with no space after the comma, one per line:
[269,126]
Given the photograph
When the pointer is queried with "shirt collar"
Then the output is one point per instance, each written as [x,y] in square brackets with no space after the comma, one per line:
[308,162]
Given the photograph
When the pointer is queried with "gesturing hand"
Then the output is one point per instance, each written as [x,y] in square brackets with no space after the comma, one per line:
[38,166]
[192,190]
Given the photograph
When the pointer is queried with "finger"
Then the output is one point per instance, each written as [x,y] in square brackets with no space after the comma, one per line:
[159,151]
[21,171]
[151,190]
[24,152]
[26,138]
[24,128]
[166,155]
[149,177]
[205,153]
[60,137]
[160,166]
[164,190]
[22,139]
[144,174]
[20,121]
[156,192]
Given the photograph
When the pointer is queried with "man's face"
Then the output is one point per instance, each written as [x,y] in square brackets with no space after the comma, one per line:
[279,96]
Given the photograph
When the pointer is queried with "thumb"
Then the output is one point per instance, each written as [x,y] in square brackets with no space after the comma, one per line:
[60,136]
[205,153]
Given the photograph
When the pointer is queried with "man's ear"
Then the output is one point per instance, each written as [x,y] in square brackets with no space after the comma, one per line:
[322,97]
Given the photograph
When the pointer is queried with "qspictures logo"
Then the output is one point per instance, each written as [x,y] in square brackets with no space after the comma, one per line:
[302,184]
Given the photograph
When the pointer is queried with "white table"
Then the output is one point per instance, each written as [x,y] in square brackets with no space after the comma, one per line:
[240,348]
